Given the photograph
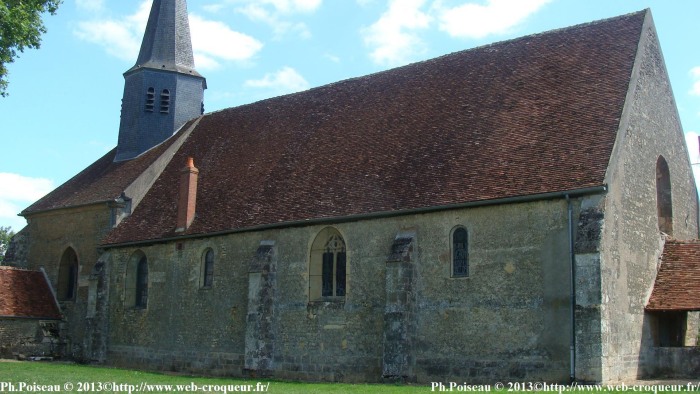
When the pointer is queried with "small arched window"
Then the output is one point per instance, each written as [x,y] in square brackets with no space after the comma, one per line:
[165,101]
[460,253]
[208,269]
[150,99]
[142,284]
[136,283]
[328,266]
[664,200]
[68,276]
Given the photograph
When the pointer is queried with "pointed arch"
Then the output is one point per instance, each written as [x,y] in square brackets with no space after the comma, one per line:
[136,283]
[207,269]
[328,266]
[68,275]
[664,198]
[460,252]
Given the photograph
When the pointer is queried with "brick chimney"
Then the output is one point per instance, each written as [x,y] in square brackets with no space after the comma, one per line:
[188,196]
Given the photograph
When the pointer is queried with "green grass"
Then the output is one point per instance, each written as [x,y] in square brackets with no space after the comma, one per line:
[78,375]
[89,378]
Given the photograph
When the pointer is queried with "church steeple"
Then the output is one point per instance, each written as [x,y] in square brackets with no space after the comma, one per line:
[162,90]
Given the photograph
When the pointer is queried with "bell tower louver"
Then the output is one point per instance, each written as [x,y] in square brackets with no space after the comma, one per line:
[162,90]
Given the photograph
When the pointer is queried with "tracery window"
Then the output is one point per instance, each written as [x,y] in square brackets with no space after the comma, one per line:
[328,266]
[460,252]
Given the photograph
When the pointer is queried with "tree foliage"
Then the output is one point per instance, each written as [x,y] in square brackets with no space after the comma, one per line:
[20,27]
[6,235]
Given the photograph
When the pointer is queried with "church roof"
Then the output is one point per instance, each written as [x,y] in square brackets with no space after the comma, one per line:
[103,181]
[167,20]
[538,114]
[26,294]
[677,286]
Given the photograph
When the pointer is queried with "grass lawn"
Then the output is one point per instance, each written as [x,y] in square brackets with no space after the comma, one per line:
[20,377]
[88,379]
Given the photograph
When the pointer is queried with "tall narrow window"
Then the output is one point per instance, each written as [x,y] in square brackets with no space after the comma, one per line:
[165,101]
[664,201]
[68,276]
[460,252]
[150,99]
[328,266]
[142,284]
[208,269]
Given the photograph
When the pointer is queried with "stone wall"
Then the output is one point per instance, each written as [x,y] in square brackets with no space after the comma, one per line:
[508,320]
[52,233]
[631,241]
[21,338]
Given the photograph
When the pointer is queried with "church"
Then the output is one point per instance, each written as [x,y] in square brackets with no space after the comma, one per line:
[522,211]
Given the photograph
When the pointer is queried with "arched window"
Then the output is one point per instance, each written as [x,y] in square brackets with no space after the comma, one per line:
[328,266]
[136,284]
[664,201]
[68,276]
[142,284]
[165,101]
[150,99]
[460,252]
[207,269]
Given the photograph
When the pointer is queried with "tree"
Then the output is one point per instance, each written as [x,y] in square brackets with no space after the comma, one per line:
[20,27]
[6,235]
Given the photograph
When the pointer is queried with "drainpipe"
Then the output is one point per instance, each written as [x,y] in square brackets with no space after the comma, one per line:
[572,261]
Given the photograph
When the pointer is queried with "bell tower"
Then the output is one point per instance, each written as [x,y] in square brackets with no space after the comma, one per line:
[162,90]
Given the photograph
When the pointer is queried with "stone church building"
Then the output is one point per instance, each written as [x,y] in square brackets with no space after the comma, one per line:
[522,211]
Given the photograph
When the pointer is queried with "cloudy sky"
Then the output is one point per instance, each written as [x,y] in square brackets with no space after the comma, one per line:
[63,109]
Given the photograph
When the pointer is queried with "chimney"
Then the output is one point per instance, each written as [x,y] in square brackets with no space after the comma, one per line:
[188,196]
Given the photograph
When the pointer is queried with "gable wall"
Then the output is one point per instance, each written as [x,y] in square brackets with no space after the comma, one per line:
[508,320]
[51,233]
[632,243]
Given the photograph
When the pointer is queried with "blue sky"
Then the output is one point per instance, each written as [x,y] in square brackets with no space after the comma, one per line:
[63,109]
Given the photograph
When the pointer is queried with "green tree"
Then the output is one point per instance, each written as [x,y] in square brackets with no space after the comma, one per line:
[6,235]
[20,27]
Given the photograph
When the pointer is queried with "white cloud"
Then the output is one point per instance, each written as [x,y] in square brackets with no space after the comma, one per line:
[17,193]
[212,41]
[90,5]
[393,36]
[286,80]
[695,73]
[474,20]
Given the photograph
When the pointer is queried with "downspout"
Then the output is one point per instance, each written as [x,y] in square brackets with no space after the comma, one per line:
[572,261]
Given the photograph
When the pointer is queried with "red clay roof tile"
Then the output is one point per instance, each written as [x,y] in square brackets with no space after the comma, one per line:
[533,115]
[26,294]
[677,286]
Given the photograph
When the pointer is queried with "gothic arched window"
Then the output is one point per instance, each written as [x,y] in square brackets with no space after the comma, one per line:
[664,201]
[136,284]
[328,266]
[208,269]
[68,276]
[460,252]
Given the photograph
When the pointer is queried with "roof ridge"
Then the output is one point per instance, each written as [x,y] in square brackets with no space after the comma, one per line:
[441,57]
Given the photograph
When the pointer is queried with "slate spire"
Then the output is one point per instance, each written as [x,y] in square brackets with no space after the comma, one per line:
[162,91]
[166,43]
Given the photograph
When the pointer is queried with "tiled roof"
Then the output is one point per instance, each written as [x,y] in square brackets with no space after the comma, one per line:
[677,286]
[26,294]
[103,180]
[532,115]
